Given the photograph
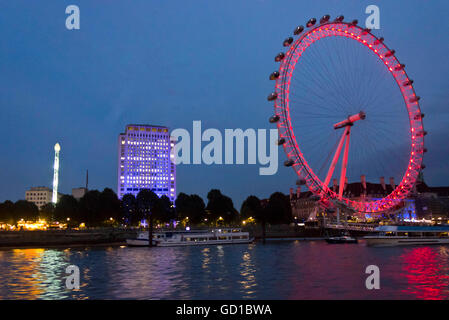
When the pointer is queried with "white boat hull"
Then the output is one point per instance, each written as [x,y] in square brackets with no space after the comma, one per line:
[403,241]
[203,243]
[139,242]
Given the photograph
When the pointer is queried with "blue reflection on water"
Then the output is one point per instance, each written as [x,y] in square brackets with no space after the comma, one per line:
[278,270]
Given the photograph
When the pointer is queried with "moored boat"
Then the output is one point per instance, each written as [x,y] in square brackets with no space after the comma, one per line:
[341,239]
[408,235]
[192,238]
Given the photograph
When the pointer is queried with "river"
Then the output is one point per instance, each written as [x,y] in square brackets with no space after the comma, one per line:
[277,270]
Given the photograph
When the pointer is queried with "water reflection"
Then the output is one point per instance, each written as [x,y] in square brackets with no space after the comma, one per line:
[287,270]
[248,274]
[427,272]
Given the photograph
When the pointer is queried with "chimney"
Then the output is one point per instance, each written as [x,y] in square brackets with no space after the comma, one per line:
[392,183]
[382,182]
[291,193]
[335,186]
[363,180]
[298,192]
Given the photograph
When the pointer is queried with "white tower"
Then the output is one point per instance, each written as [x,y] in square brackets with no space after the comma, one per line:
[56,174]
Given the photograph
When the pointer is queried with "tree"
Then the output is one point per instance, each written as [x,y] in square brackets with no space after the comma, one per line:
[279,210]
[191,206]
[197,208]
[109,206]
[163,210]
[25,210]
[222,206]
[182,205]
[251,207]
[129,209]
[146,200]
[90,207]
[47,211]
[67,207]
[7,212]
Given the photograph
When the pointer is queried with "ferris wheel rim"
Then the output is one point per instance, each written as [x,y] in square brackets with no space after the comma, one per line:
[294,154]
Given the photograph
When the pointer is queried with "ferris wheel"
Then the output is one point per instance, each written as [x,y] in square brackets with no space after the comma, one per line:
[343,100]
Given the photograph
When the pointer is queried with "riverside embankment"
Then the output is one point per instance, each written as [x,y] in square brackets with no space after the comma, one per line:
[65,237]
[118,236]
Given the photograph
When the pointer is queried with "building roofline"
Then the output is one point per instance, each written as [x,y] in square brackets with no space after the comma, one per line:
[146,125]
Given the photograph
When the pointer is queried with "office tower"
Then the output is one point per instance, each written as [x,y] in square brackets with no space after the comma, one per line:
[146,161]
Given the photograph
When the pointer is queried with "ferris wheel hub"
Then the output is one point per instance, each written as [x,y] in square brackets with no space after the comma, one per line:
[350,120]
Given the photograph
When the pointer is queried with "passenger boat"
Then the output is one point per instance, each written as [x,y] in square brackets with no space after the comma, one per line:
[408,235]
[192,238]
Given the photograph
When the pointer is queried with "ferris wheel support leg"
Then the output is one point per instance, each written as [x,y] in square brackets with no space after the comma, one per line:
[336,156]
[344,164]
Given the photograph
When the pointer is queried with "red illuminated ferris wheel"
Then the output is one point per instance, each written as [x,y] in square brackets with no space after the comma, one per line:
[343,100]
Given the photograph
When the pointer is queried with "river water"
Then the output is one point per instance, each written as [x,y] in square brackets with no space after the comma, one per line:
[277,270]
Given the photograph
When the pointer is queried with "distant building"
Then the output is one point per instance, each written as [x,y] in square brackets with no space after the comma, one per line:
[40,196]
[423,202]
[432,202]
[146,161]
[78,193]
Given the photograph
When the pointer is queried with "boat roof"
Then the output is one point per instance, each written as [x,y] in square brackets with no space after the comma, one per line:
[444,228]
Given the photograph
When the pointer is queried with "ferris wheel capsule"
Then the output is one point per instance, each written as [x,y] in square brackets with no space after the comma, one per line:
[289,162]
[272,96]
[419,116]
[390,53]
[408,82]
[274,75]
[399,67]
[421,133]
[325,18]
[287,42]
[274,119]
[340,18]
[414,99]
[298,30]
[279,57]
[365,31]
[378,41]
[280,141]
[311,22]
[354,23]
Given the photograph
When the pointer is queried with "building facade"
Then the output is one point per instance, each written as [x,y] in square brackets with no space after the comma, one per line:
[40,196]
[424,202]
[146,161]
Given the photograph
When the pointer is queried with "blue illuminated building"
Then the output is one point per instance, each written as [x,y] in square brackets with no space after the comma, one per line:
[146,161]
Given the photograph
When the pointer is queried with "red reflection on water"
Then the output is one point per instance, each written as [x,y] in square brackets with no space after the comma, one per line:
[427,272]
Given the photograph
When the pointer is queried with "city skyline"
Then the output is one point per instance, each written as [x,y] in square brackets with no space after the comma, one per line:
[50,91]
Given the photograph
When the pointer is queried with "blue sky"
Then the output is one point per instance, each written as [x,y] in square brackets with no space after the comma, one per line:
[172,62]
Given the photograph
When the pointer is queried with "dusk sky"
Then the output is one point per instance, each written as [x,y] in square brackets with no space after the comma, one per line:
[172,62]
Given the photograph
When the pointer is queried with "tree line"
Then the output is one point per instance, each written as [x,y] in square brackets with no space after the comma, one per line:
[97,208]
